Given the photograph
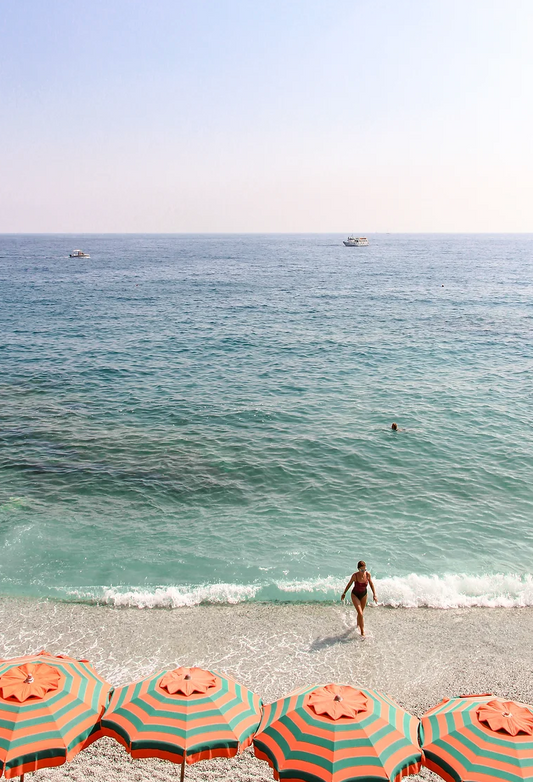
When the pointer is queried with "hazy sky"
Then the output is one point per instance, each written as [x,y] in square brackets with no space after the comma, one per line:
[266,115]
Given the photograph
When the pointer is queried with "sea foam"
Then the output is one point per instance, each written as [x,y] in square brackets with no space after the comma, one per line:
[411,591]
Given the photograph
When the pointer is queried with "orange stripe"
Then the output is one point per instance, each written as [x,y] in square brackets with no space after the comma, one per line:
[413,768]
[389,718]
[512,745]
[177,757]
[216,752]
[399,757]
[157,753]
[153,724]
[26,768]
[113,735]
[263,756]
[78,708]
[484,743]
[474,759]
[181,719]
[438,770]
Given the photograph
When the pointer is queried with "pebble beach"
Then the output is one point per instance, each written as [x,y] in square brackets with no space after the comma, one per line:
[418,656]
[266,318]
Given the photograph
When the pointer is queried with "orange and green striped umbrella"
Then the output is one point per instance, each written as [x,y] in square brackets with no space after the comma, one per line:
[50,709]
[479,738]
[184,715]
[338,734]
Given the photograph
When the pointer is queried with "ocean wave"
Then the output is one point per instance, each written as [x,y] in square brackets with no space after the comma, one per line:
[179,596]
[412,591]
[457,591]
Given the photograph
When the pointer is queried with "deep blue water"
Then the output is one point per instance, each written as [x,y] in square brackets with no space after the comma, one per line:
[188,418]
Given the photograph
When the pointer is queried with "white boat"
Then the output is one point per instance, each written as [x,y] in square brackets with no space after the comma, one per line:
[79,254]
[355,241]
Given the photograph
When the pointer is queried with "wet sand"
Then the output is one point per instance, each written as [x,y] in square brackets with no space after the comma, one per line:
[418,656]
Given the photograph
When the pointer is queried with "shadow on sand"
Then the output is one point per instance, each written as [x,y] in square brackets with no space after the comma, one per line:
[330,640]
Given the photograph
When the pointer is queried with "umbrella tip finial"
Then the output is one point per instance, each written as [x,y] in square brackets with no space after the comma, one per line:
[337,698]
[29,679]
[187,676]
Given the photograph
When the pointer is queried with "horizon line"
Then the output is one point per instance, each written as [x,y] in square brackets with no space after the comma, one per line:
[261,233]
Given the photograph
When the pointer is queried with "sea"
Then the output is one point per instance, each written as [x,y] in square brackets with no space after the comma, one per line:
[191,419]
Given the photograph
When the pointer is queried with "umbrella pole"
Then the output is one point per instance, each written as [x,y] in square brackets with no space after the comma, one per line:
[182,777]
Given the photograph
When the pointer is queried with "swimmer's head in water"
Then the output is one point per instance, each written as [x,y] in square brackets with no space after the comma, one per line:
[361,564]
[394,426]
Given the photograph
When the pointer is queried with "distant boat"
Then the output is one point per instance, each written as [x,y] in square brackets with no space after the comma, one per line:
[79,254]
[355,241]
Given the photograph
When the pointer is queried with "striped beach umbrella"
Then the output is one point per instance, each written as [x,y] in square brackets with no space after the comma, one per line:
[479,738]
[338,734]
[184,715]
[50,709]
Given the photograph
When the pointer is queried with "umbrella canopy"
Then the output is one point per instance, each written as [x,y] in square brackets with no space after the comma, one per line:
[338,734]
[184,715]
[477,738]
[50,709]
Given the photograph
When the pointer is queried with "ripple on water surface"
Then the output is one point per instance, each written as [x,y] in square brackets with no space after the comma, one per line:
[190,419]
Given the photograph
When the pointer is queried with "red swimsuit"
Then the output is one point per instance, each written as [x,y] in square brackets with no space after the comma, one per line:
[360,587]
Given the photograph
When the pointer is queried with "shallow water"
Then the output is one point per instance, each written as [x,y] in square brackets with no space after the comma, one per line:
[207,418]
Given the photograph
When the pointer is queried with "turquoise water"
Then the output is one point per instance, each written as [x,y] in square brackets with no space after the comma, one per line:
[207,418]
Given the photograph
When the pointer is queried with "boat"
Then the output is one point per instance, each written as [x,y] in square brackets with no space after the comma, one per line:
[79,254]
[355,241]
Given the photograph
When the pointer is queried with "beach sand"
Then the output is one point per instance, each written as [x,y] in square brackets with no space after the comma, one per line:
[418,656]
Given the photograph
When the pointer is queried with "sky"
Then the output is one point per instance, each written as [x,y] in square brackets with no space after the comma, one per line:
[273,116]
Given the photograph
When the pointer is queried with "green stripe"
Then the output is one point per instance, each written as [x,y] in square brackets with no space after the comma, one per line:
[305,777]
[162,746]
[164,715]
[351,739]
[180,710]
[482,755]
[51,715]
[175,749]
[166,718]
[117,729]
[442,764]
[31,757]
[169,727]
[335,767]
[83,736]
[250,732]
[469,737]
[410,760]
[52,701]
[335,743]
[54,735]
[503,741]
[49,720]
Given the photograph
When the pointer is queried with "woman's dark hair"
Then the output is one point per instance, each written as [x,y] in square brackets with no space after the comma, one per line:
[361,563]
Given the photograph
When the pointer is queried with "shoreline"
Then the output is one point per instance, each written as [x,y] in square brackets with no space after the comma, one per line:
[412,590]
[417,657]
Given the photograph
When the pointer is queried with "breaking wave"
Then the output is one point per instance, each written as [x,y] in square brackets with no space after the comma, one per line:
[412,591]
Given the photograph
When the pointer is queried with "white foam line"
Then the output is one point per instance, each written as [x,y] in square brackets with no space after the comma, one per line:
[412,591]
[457,591]
[176,597]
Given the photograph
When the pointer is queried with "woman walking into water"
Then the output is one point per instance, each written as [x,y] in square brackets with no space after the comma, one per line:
[361,579]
